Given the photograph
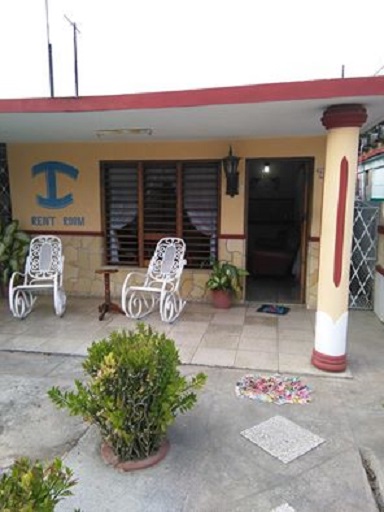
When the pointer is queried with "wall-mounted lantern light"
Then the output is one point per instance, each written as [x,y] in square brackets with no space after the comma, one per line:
[230,164]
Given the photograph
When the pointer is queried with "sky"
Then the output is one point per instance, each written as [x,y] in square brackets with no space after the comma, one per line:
[127,46]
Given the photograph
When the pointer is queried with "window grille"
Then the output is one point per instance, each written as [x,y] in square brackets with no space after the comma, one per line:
[5,193]
[200,186]
[144,202]
[121,215]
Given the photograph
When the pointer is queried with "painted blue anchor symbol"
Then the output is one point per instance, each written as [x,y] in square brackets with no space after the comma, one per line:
[51,169]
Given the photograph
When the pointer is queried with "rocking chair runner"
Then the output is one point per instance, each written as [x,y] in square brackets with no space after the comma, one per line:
[43,271]
[159,285]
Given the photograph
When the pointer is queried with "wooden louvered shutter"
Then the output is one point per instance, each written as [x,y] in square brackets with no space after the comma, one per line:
[200,211]
[121,214]
[159,205]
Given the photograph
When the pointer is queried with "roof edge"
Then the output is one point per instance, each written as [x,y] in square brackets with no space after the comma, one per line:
[259,93]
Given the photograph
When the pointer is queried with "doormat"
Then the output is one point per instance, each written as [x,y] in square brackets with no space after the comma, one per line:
[274,389]
[273,309]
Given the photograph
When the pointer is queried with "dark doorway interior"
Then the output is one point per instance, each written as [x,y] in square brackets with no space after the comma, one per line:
[276,229]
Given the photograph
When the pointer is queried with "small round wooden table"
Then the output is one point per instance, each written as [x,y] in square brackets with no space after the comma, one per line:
[108,305]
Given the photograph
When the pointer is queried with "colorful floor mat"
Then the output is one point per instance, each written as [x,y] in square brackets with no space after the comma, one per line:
[273,309]
[274,389]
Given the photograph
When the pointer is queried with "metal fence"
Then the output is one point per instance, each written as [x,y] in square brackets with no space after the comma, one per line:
[364,255]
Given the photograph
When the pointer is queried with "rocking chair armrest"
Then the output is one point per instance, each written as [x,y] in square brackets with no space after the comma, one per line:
[14,276]
[132,275]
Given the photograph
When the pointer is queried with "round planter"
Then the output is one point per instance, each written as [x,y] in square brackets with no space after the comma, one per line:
[111,459]
[222,299]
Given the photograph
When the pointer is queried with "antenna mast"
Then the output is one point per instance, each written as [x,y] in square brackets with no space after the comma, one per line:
[75,31]
[50,60]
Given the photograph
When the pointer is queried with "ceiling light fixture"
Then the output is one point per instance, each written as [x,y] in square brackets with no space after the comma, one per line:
[266,169]
[120,132]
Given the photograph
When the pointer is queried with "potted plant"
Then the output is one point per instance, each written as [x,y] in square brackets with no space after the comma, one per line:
[133,394]
[224,283]
[33,486]
[14,245]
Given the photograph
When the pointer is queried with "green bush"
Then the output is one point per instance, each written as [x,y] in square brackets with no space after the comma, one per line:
[134,391]
[33,487]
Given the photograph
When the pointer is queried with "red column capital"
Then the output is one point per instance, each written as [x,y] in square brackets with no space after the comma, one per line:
[343,116]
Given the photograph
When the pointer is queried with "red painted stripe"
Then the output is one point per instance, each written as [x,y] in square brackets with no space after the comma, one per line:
[288,91]
[64,233]
[340,222]
[380,269]
[231,237]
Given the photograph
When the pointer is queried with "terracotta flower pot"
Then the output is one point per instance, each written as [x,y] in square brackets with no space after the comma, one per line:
[222,299]
[111,459]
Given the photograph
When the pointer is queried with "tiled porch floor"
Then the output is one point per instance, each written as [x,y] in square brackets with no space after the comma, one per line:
[239,337]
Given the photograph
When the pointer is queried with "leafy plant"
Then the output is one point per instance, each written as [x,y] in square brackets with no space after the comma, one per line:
[35,487]
[226,276]
[134,391]
[14,245]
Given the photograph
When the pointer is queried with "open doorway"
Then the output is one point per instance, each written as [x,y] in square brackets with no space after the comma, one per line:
[277,214]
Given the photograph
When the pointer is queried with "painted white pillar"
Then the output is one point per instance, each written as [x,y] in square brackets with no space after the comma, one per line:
[342,123]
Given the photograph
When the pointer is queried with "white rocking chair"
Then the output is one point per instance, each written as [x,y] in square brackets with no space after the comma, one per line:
[159,285]
[43,270]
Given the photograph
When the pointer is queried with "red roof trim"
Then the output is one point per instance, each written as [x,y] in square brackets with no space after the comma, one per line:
[289,91]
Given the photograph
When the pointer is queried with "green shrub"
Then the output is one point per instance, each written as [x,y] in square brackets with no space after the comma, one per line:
[33,487]
[134,390]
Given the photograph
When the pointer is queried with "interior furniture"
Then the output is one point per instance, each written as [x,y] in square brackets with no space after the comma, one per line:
[271,262]
[43,271]
[141,292]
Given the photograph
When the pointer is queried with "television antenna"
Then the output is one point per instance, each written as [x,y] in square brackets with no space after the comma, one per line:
[75,32]
[50,59]
[378,71]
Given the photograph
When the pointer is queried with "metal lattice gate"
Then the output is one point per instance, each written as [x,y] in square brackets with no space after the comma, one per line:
[5,194]
[364,255]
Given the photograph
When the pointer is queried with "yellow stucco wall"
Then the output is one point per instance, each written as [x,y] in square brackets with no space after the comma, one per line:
[86,158]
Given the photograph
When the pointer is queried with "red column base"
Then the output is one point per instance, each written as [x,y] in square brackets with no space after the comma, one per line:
[329,363]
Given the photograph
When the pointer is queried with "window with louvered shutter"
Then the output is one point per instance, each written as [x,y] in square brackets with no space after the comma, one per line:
[144,202]
[159,205]
[120,186]
[5,193]
[200,212]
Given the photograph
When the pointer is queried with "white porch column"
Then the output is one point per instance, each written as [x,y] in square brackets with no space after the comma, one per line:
[342,123]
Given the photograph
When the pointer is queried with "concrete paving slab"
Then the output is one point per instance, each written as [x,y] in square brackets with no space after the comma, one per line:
[282,438]
[215,469]
[210,467]
[30,425]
